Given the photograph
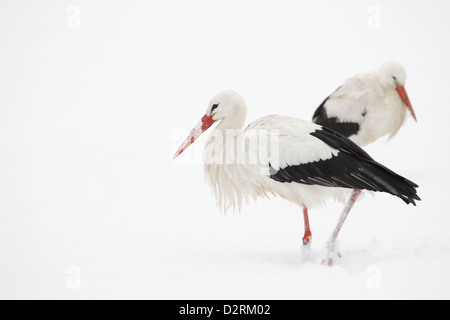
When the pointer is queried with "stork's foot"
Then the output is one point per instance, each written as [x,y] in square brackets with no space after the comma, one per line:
[330,260]
[307,238]
[306,247]
[332,254]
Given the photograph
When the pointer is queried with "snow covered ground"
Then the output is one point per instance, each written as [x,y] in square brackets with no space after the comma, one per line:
[97,95]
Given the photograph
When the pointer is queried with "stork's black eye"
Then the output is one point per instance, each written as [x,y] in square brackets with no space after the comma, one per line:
[394,78]
[214,107]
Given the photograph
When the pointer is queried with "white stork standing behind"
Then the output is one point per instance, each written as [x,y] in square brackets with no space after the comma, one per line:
[367,107]
[308,164]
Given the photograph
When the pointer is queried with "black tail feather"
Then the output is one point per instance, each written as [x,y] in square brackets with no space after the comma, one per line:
[351,168]
[371,174]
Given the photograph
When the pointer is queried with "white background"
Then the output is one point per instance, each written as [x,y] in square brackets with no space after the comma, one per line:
[96,96]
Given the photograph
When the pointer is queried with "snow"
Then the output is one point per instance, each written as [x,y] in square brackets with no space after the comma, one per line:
[97,96]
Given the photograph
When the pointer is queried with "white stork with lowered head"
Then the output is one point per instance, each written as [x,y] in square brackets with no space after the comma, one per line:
[367,107]
[299,161]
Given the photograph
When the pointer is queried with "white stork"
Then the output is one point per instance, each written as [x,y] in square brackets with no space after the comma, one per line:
[368,106]
[308,164]
[365,108]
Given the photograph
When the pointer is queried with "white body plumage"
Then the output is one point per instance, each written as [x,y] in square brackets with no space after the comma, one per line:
[283,141]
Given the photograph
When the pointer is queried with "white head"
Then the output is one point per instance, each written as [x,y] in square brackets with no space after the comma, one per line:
[392,75]
[228,107]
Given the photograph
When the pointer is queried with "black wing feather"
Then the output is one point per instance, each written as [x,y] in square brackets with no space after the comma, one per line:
[351,168]
[320,117]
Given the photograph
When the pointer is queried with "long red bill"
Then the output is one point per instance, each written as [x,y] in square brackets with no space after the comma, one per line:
[404,96]
[204,123]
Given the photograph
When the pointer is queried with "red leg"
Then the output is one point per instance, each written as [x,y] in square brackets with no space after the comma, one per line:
[308,236]
[332,241]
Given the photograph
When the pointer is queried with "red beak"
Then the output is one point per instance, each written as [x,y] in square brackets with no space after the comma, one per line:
[404,96]
[203,125]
